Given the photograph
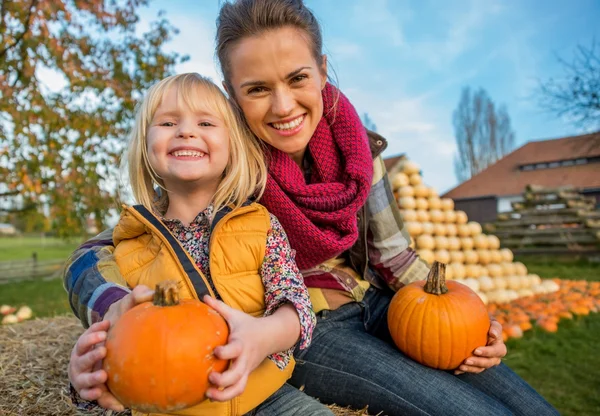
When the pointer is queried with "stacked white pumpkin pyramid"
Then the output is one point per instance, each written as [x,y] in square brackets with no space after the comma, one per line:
[441,233]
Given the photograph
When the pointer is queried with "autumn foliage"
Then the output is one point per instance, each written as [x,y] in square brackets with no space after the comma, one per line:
[71,73]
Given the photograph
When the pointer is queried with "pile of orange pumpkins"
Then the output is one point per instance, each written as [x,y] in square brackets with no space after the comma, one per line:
[573,298]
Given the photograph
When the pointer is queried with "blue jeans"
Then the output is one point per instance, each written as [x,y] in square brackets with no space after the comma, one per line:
[289,401]
[353,361]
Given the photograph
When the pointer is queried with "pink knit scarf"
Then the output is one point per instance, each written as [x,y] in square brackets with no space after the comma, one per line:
[320,218]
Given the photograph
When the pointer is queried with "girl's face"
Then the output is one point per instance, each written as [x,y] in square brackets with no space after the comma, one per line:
[187,147]
[277,83]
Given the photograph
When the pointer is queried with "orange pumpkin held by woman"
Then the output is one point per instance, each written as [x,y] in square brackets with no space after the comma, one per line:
[160,353]
[438,323]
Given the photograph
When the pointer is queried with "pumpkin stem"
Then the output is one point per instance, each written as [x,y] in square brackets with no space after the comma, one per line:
[436,280]
[166,293]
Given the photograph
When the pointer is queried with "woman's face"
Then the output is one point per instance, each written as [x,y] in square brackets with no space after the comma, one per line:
[277,82]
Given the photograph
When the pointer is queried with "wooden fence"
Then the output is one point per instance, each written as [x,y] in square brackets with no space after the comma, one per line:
[13,271]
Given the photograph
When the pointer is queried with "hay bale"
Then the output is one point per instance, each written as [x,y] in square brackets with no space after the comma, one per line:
[33,369]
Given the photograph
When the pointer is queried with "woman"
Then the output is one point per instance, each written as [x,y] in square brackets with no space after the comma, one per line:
[328,187]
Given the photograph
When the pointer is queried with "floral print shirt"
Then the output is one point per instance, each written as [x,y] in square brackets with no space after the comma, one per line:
[281,278]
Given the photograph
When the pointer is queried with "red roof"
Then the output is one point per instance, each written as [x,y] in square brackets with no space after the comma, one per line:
[505,177]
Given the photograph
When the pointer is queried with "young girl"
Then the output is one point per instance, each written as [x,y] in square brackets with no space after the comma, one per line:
[205,231]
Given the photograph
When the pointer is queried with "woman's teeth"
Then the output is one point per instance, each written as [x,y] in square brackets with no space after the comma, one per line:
[288,126]
[191,153]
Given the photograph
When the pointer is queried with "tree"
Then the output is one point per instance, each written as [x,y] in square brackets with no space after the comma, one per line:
[60,144]
[576,95]
[368,123]
[483,133]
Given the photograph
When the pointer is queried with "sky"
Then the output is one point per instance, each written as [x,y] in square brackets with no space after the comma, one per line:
[406,62]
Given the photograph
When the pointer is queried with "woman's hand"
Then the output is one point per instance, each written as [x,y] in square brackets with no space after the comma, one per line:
[488,356]
[245,348]
[85,366]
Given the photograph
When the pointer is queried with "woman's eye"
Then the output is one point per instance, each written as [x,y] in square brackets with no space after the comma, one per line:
[256,90]
[299,78]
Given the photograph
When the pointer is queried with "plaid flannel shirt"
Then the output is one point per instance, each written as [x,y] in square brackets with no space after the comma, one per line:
[390,258]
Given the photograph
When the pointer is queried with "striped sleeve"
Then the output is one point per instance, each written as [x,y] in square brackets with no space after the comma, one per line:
[388,240]
[92,279]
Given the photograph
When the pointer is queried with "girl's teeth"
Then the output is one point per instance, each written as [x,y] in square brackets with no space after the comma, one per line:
[187,153]
[290,125]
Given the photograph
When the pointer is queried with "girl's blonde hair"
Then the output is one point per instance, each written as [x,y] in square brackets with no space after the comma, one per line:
[245,174]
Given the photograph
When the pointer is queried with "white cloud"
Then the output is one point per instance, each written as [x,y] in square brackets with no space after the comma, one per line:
[416,128]
[341,49]
[196,39]
[377,19]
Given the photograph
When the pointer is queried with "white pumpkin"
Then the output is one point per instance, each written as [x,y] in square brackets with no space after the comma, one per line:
[436,215]
[442,256]
[409,167]
[484,256]
[450,217]
[471,256]
[447,204]
[421,191]
[422,215]
[441,243]
[405,191]
[439,229]
[421,203]
[425,241]
[493,242]
[458,271]
[520,269]
[496,256]
[481,241]
[466,243]
[507,255]
[472,283]
[451,229]
[434,202]
[415,179]
[475,228]
[399,180]
[461,217]
[486,284]
[414,228]
[407,202]
[427,255]
[464,230]
[428,228]
[453,243]
[409,215]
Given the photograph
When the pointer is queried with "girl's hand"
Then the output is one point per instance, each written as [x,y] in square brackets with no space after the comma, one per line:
[245,348]
[139,294]
[488,356]
[85,366]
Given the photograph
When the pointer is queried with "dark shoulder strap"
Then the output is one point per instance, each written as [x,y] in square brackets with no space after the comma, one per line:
[188,266]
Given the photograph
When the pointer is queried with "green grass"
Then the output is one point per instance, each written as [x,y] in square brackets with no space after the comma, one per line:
[44,297]
[21,248]
[563,366]
[572,269]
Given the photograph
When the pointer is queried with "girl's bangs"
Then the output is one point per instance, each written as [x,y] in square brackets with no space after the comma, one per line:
[200,96]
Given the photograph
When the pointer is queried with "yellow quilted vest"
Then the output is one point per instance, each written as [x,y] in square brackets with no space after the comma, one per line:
[145,255]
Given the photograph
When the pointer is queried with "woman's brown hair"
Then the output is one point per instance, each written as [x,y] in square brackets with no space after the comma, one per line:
[240,19]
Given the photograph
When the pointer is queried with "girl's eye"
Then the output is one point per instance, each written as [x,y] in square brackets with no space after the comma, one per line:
[167,124]
[205,124]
